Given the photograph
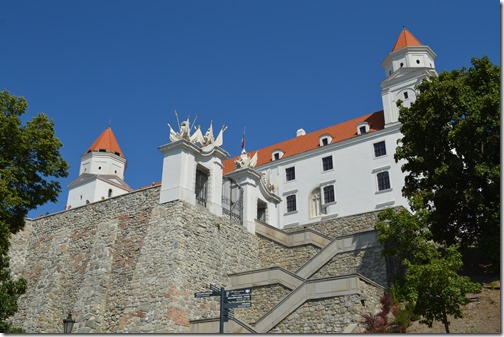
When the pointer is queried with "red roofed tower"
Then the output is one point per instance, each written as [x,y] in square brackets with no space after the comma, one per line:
[101,172]
[406,66]
[106,142]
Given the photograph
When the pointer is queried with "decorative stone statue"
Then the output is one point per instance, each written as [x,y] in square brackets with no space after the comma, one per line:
[245,161]
[207,142]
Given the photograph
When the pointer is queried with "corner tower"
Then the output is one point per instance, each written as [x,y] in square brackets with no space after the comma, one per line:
[407,65]
[101,173]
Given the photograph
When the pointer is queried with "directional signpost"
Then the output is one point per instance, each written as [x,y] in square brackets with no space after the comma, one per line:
[229,300]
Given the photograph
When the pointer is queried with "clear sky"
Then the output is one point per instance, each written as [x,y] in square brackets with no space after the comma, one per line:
[271,66]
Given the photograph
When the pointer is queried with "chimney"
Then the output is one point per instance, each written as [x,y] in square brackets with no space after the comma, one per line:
[300,132]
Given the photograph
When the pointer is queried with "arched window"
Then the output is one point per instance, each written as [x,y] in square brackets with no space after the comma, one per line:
[277,154]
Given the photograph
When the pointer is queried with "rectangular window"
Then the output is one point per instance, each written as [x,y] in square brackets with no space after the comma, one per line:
[201,187]
[327,163]
[325,141]
[328,194]
[383,181]
[290,173]
[261,211]
[291,203]
[380,149]
[362,130]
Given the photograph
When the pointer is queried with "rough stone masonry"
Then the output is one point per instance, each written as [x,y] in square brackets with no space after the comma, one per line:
[131,265]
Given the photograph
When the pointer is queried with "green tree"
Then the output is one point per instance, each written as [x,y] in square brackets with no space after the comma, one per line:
[29,158]
[440,290]
[432,280]
[451,148]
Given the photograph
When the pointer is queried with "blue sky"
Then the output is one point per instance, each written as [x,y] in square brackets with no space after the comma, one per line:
[271,66]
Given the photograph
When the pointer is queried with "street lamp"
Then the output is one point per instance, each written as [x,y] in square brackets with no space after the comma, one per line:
[68,324]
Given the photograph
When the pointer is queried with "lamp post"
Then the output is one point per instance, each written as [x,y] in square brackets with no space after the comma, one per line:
[68,324]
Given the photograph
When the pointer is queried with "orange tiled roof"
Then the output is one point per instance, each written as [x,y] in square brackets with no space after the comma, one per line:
[311,141]
[106,141]
[406,39]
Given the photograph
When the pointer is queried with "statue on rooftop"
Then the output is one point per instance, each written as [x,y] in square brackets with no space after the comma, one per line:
[207,142]
[244,161]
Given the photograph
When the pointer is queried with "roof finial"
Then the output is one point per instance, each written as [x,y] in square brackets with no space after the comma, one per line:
[109,122]
[404,27]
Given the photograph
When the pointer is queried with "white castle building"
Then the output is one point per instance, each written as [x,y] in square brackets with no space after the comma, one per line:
[341,170]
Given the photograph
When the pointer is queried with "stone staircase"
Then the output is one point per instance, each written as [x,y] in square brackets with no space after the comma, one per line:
[302,288]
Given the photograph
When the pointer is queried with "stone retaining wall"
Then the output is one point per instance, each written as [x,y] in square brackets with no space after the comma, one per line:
[367,262]
[130,264]
[126,264]
[331,315]
[264,299]
[274,254]
[337,227]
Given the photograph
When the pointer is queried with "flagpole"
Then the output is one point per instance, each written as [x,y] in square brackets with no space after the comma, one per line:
[243,139]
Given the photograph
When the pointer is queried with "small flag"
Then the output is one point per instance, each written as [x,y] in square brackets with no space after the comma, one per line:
[243,139]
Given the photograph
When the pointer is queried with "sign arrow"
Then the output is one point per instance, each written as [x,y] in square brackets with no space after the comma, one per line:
[214,288]
[206,294]
[238,305]
[239,298]
[234,292]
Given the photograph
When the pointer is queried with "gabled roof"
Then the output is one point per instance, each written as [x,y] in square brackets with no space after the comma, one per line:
[311,141]
[406,39]
[106,142]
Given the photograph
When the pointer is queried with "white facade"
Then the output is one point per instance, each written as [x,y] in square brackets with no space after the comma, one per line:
[192,174]
[88,188]
[102,163]
[259,202]
[353,177]
[405,68]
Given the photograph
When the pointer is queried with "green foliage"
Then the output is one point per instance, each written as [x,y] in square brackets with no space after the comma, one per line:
[10,290]
[451,148]
[439,288]
[29,158]
[402,319]
[432,279]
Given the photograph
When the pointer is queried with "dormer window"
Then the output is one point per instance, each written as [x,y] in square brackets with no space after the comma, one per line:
[277,154]
[102,150]
[362,128]
[325,140]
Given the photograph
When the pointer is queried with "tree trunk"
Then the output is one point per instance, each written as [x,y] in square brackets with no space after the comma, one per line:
[446,323]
